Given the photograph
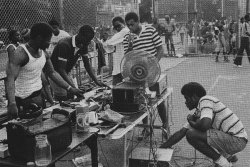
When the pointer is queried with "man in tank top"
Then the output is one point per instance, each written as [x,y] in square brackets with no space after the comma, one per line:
[24,70]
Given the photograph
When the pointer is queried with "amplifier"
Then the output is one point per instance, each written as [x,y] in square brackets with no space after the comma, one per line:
[139,157]
[125,92]
[160,85]
[124,98]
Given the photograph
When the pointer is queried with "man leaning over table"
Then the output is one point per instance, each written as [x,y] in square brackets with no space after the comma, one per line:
[24,70]
[65,56]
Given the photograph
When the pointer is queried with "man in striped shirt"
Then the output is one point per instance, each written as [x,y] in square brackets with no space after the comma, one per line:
[145,38]
[244,42]
[213,129]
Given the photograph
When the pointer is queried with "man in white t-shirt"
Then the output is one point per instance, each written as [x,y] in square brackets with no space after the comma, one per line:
[57,35]
[117,41]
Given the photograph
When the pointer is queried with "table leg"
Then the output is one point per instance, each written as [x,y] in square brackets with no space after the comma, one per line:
[125,151]
[92,144]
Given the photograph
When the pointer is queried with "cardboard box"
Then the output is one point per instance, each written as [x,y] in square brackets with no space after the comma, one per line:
[139,157]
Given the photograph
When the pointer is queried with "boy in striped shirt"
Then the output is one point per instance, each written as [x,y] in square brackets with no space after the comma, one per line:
[213,129]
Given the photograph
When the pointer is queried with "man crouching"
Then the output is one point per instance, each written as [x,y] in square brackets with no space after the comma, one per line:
[213,129]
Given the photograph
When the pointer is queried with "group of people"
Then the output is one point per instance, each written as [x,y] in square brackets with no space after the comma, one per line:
[214,129]
[30,66]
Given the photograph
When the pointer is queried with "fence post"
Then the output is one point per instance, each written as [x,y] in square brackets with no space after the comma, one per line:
[61,13]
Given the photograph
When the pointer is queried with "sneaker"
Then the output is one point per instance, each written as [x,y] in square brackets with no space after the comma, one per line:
[144,134]
[232,159]
[235,65]
[230,165]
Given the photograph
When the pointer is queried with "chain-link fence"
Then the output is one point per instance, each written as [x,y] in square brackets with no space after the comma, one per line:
[19,14]
[71,14]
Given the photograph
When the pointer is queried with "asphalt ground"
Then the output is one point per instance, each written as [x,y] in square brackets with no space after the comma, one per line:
[230,84]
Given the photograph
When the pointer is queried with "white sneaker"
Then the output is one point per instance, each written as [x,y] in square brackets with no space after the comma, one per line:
[230,165]
[240,66]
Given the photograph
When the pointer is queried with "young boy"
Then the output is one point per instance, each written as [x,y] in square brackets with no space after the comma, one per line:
[221,43]
[214,130]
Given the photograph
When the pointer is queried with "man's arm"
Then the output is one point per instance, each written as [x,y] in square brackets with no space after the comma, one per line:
[13,67]
[61,66]
[50,71]
[175,138]
[117,38]
[200,124]
[160,52]
[89,69]
[10,51]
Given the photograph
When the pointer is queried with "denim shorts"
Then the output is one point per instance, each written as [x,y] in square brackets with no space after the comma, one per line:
[225,143]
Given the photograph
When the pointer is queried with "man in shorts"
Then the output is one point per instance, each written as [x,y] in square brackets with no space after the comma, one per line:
[169,28]
[213,129]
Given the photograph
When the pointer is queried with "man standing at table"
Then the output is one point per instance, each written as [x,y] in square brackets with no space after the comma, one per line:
[116,41]
[65,56]
[24,70]
[145,38]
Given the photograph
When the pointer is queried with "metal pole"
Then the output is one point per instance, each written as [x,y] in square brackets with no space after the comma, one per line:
[196,27]
[186,33]
[247,6]
[60,2]
[187,11]
[222,8]
[153,8]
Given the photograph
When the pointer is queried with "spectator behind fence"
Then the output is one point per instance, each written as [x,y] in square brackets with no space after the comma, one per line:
[57,35]
[244,42]
[221,43]
[169,29]
[24,84]
[213,129]
[65,56]
[25,33]
[14,38]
